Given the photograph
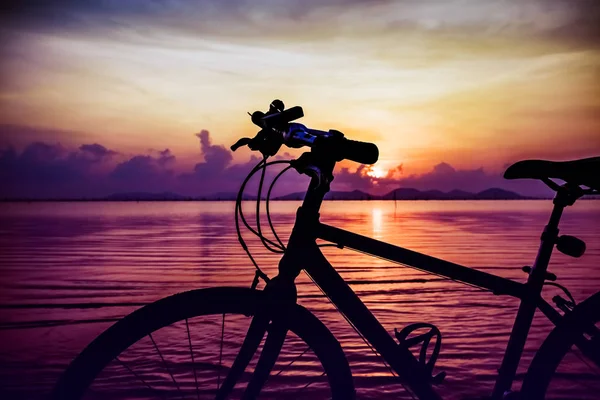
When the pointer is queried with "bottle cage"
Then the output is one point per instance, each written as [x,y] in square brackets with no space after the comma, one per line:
[424,339]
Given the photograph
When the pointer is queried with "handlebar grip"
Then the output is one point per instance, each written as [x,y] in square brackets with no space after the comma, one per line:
[360,152]
[283,117]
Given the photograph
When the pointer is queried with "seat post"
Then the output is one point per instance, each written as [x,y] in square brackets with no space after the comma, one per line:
[534,285]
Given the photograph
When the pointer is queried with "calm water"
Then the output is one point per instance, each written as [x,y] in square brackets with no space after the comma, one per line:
[58,259]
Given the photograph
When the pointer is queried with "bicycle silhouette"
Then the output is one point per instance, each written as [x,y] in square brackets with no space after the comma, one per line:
[274,312]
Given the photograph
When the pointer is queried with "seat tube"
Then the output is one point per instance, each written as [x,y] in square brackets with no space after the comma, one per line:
[528,305]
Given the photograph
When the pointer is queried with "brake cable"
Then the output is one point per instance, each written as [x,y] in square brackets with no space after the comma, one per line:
[564,289]
[260,165]
[279,248]
[259,272]
[283,171]
[273,247]
[268,199]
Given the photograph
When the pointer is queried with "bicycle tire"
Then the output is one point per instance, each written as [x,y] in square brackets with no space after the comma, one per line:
[557,344]
[200,302]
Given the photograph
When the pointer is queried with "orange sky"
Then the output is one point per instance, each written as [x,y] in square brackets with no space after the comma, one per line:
[472,83]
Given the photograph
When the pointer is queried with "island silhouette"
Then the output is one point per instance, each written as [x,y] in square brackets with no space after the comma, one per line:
[400,194]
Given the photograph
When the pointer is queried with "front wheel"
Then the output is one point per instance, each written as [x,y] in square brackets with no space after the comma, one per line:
[183,345]
[567,365]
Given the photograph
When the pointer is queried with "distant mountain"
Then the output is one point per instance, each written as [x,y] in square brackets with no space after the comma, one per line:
[459,194]
[225,196]
[145,196]
[334,195]
[398,194]
[404,194]
[353,195]
[498,194]
[170,196]
[488,194]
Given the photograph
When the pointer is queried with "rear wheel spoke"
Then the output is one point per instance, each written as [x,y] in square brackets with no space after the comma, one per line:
[589,366]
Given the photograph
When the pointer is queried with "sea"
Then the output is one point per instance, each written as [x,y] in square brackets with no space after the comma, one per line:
[69,270]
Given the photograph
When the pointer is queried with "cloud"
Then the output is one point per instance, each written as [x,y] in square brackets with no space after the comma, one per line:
[142,168]
[218,174]
[44,170]
[97,151]
[216,158]
[442,177]
[575,22]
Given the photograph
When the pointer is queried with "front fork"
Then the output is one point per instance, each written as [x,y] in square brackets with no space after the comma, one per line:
[270,318]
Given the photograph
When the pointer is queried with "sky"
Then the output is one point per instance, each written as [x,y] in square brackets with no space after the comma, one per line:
[98,97]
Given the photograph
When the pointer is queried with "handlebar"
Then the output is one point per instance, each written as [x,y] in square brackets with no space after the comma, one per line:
[277,128]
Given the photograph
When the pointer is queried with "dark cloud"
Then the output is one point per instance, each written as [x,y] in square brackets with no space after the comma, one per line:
[442,177]
[216,158]
[50,170]
[445,177]
[142,168]
[348,180]
[21,136]
[45,170]
[97,151]
[574,22]
[218,174]
[583,26]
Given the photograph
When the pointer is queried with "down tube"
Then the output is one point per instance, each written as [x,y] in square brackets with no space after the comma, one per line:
[344,298]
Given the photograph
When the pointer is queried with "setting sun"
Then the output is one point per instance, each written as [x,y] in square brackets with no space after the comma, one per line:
[375,172]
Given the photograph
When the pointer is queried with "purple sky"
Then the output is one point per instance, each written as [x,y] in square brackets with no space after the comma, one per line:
[104,96]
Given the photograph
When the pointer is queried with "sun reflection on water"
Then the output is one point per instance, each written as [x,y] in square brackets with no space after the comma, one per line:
[377,222]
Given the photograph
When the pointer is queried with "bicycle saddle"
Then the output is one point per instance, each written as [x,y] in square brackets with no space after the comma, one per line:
[578,172]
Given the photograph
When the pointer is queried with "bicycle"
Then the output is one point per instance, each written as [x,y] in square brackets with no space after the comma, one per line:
[275,313]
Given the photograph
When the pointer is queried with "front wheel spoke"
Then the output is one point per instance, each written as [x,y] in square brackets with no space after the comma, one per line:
[187,326]
[291,362]
[221,352]
[166,366]
[313,381]
[132,372]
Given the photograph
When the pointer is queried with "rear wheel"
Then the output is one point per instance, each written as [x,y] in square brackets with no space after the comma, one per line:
[182,346]
[568,362]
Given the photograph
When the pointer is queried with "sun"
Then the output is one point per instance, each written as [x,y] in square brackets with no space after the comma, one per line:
[375,172]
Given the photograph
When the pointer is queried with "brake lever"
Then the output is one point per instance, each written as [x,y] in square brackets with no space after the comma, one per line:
[240,143]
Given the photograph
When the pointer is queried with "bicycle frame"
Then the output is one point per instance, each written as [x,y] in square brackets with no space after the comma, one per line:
[303,253]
